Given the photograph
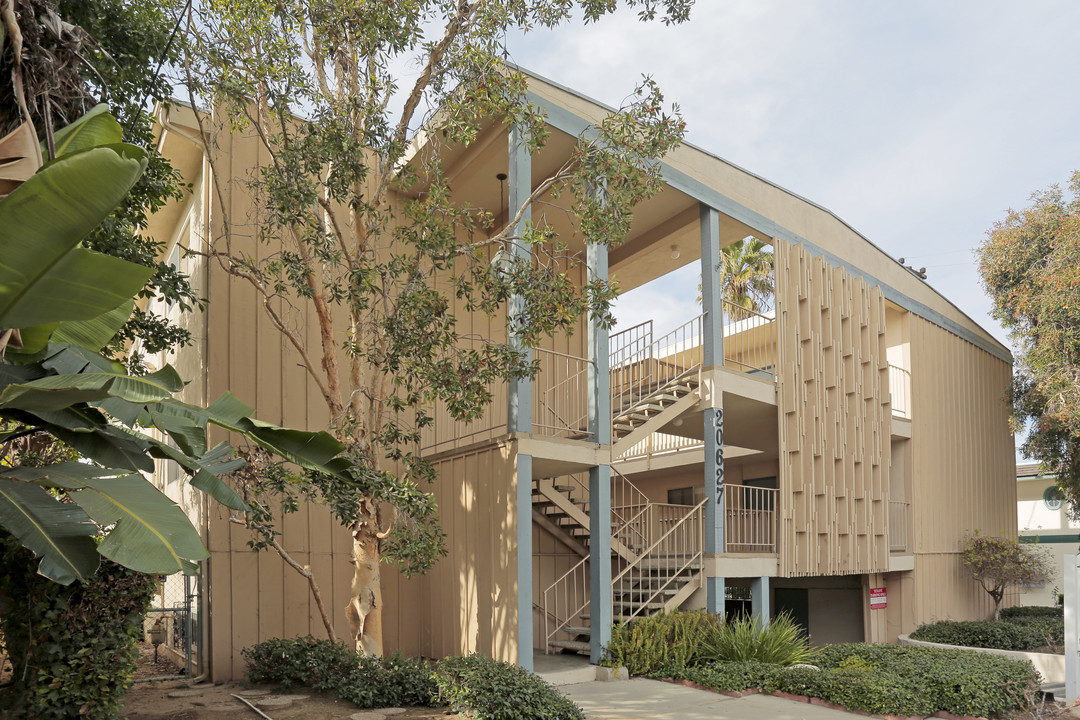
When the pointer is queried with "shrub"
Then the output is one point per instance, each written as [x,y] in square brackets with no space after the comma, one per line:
[648,645]
[72,648]
[742,639]
[1019,633]
[492,690]
[961,682]
[886,679]
[331,667]
[1032,611]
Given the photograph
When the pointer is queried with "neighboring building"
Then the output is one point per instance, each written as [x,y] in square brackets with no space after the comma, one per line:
[1042,514]
[803,459]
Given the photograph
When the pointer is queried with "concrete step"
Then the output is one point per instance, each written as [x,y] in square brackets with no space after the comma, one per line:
[636,606]
[577,630]
[573,645]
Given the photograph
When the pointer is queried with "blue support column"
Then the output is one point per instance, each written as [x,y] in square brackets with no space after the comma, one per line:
[712,355]
[524,561]
[599,372]
[600,619]
[714,505]
[759,599]
[711,292]
[519,409]
[599,477]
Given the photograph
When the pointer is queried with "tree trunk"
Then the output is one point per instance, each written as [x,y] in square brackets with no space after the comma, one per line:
[364,610]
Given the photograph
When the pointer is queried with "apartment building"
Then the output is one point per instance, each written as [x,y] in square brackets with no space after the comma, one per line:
[826,457]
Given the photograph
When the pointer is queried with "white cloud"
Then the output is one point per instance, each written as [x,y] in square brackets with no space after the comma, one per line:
[919,123]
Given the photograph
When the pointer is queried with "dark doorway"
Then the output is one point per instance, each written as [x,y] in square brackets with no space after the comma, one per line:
[794,601]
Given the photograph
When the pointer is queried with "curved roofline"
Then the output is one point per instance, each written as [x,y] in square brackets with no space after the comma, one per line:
[1001,350]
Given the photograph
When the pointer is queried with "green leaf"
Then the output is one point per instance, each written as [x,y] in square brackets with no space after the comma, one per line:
[56,392]
[34,338]
[206,469]
[59,533]
[151,533]
[96,127]
[44,277]
[109,445]
[68,360]
[95,333]
[306,449]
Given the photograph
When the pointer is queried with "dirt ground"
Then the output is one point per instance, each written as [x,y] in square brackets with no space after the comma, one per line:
[206,701]
[180,700]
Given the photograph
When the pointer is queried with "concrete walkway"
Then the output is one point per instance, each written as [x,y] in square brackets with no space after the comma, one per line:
[640,699]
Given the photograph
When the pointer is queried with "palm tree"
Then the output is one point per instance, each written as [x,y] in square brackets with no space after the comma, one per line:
[746,278]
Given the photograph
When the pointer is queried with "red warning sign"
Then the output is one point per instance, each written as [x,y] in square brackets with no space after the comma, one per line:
[877,599]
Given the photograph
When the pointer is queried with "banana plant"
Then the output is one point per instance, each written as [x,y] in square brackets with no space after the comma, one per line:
[64,303]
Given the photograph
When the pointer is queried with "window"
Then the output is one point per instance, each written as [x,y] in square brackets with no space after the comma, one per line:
[686,496]
[1053,497]
[754,499]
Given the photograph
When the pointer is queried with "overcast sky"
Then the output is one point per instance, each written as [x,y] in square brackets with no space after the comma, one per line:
[918,123]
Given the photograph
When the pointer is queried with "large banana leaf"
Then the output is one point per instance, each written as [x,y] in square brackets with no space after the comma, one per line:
[59,533]
[92,334]
[60,391]
[95,128]
[150,532]
[44,277]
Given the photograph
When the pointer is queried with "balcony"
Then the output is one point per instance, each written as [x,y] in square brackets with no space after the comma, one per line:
[898,527]
[749,519]
[900,390]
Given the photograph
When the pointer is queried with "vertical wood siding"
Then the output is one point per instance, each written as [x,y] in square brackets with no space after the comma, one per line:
[834,419]
[963,474]
[468,602]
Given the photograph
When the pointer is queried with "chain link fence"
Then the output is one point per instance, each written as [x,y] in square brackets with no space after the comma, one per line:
[171,647]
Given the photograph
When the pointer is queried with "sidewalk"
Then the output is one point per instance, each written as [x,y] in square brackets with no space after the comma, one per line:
[640,698]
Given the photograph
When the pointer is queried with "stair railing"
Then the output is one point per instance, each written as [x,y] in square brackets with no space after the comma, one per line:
[631,513]
[659,567]
[639,370]
[565,599]
[560,393]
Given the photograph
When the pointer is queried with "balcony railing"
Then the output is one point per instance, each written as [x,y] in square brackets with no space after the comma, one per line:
[749,519]
[560,394]
[658,444]
[750,341]
[898,525]
[900,389]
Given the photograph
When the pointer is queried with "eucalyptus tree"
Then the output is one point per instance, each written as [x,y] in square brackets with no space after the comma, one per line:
[339,94]
[1030,265]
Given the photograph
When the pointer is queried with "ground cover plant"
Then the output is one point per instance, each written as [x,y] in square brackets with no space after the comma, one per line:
[885,679]
[740,654]
[484,688]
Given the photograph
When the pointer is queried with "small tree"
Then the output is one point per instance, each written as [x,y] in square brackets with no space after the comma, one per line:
[1000,563]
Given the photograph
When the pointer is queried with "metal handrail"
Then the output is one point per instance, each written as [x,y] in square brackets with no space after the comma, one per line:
[575,582]
[750,343]
[693,552]
[562,407]
[652,366]
[750,518]
[900,390]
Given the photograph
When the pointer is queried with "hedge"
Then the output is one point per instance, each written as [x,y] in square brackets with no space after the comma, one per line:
[73,647]
[1023,632]
[887,679]
[482,687]
[1030,611]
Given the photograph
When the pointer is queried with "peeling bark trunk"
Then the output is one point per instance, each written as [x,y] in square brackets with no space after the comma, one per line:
[364,610]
